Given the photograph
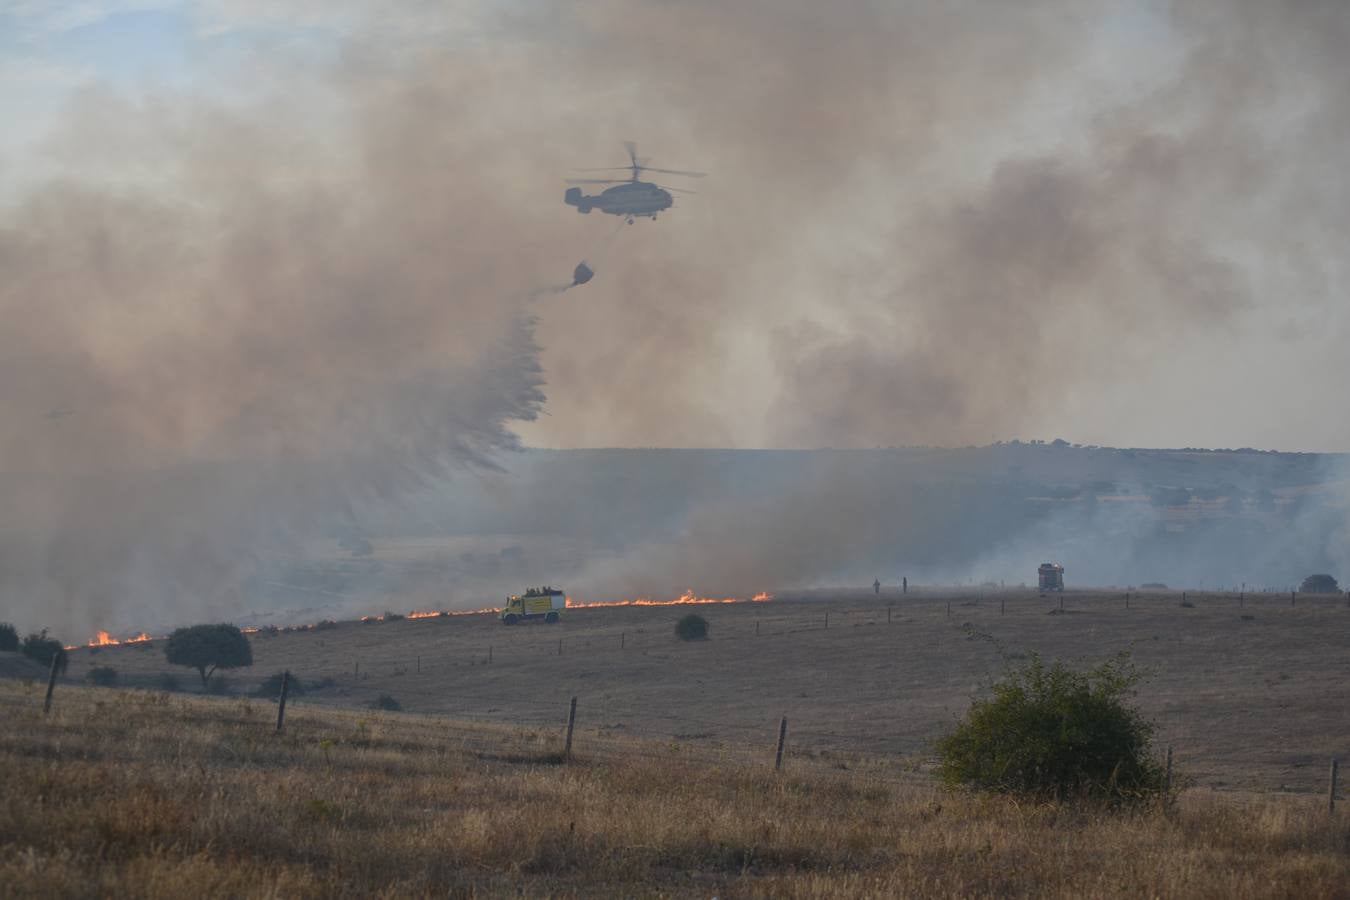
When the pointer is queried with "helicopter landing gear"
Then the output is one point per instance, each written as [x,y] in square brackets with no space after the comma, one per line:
[630,220]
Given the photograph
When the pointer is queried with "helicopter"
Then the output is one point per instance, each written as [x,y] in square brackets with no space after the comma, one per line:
[628,197]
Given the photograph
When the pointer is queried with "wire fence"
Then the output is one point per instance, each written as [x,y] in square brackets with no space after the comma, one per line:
[724,735]
[540,731]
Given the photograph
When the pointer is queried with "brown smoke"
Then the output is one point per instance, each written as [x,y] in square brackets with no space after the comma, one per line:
[226,322]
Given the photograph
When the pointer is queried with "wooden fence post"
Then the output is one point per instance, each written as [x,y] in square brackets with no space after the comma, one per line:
[419,665]
[782,736]
[1168,782]
[949,609]
[1183,598]
[1331,787]
[571,720]
[1002,602]
[623,639]
[1291,598]
[827,620]
[888,614]
[51,682]
[757,628]
[281,706]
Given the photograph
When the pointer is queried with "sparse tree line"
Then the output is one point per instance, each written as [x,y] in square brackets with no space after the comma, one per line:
[36,646]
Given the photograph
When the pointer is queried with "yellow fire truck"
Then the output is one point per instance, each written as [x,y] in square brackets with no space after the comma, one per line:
[544,603]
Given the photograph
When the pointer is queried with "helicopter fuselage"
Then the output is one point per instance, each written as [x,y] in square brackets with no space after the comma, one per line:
[630,199]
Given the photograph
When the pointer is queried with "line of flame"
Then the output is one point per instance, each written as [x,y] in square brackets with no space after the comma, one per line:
[104,639]
[688,597]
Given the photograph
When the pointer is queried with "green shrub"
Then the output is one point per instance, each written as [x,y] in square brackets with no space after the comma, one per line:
[692,627]
[41,649]
[9,638]
[1049,732]
[385,701]
[271,687]
[102,676]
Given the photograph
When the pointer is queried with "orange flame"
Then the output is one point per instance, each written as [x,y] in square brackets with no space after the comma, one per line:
[429,614]
[104,639]
[688,597]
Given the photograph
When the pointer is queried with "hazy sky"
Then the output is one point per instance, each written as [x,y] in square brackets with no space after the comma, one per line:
[925,223]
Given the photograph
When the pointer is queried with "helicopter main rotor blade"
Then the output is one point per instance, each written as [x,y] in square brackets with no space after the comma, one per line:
[606,169]
[597,181]
[675,172]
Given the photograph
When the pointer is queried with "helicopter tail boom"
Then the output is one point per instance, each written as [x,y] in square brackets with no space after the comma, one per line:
[574,197]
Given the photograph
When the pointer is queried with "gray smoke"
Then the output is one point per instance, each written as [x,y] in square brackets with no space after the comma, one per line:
[232,322]
[204,362]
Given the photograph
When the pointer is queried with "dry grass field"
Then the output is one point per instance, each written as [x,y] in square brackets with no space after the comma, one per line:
[1252,698]
[124,793]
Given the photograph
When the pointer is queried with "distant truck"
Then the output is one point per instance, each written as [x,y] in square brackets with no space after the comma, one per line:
[536,604]
[1052,576]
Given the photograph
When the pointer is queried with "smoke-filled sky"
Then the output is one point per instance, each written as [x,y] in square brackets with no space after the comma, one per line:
[933,223]
[263,260]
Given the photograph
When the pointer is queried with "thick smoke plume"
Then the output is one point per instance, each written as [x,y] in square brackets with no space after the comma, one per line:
[230,320]
[207,360]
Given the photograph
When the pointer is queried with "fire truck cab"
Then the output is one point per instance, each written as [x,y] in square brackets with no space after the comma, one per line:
[1051,576]
[545,603]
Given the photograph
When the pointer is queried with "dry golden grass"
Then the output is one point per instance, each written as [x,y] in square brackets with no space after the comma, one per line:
[136,794]
[1253,697]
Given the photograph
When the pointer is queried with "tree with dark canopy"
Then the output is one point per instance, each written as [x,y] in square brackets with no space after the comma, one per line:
[207,648]
[9,638]
[1320,584]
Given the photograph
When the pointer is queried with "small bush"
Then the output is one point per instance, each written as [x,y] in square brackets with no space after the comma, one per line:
[692,627]
[9,638]
[271,687]
[386,702]
[168,681]
[1050,732]
[102,676]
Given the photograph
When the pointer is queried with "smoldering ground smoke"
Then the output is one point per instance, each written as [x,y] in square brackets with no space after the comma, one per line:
[230,320]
